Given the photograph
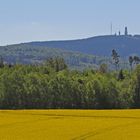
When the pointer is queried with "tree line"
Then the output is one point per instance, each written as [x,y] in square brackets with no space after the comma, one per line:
[53,85]
[132,60]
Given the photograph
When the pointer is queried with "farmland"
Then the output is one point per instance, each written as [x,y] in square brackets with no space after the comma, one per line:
[69,124]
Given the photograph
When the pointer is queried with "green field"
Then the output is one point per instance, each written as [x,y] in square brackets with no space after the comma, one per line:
[70,125]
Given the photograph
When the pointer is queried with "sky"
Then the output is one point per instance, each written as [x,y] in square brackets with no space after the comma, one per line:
[43,20]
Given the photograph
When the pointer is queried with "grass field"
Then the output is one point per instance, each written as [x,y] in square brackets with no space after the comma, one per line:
[70,125]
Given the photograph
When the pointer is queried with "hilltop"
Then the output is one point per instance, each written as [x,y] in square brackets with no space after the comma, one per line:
[100,45]
[80,53]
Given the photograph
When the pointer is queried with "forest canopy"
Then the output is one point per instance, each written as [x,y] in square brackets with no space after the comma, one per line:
[54,85]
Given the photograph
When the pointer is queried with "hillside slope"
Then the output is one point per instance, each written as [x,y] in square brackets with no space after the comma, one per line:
[29,54]
[100,45]
[82,53]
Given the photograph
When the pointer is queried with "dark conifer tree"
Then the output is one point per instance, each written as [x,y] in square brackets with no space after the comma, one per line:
[121,75]
[131,60]
[115,58]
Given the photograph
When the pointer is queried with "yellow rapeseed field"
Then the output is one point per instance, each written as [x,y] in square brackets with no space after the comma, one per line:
[70,125]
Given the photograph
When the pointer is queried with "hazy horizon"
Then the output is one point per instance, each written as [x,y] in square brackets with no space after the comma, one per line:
[43,20]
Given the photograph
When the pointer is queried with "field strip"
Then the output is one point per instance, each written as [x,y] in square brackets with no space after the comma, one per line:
[101,131]
[69,124]
[24,122]
[69,115]
[85,116]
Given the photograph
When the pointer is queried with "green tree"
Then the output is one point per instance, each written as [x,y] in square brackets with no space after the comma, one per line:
[115,58]
[136,87]
[121,75]
[136,60]
[1,62]
[57,64]
[103,68]
[131,60]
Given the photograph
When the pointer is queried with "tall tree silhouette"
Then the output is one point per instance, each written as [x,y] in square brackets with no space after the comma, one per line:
[131,60]
[115,58]
[136,60]
[1,62]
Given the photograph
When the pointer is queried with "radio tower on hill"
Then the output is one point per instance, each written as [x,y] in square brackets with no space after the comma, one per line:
[126,31]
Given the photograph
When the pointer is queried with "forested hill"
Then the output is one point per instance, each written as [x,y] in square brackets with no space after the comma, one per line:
[82,53]
[99,45]
[29,54]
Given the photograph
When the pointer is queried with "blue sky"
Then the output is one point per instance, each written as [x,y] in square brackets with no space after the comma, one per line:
[34,20]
